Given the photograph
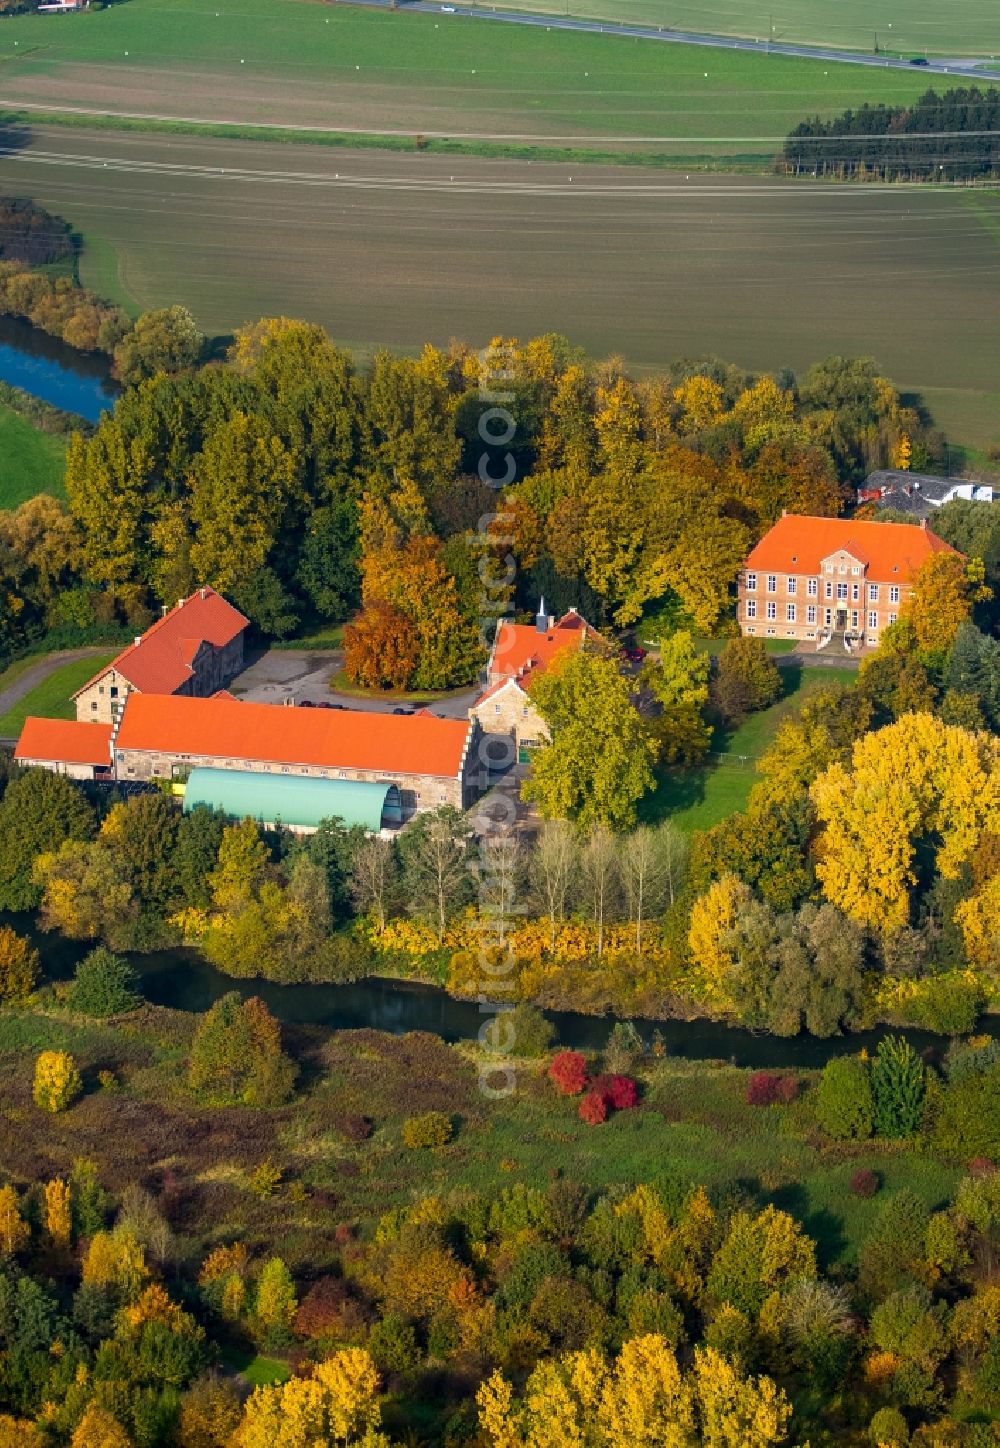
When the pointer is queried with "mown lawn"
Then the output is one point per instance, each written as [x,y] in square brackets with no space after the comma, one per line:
[696,799]
[31,461]
[52,697]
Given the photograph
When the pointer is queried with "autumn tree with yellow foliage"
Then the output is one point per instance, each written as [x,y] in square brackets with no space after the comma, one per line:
[336,1407]
[916,784]
[642,1398]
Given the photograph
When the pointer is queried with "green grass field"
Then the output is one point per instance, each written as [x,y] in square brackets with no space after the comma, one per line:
[51,698]
[299,64]
[697,799]
[30,461]
[917,27]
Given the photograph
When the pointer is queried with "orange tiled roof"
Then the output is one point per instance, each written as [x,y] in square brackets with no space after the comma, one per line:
[221,728]
[67,741]
[520,650]
[892,551]
[163,658]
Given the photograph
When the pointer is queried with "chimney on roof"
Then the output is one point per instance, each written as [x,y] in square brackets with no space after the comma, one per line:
[204,593]
[163,610]
[181,602]
[137,640]
[541,617]
[923,524]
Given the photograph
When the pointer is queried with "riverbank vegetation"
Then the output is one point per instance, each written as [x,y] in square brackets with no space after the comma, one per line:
[819,1247]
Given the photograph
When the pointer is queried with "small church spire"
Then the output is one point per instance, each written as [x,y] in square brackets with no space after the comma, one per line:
[541,617]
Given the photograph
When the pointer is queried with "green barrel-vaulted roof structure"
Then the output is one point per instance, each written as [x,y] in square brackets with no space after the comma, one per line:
[298,801]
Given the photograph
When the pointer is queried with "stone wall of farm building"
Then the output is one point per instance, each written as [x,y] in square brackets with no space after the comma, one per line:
[97,702]
[213,670]
[509,711]
[417,791]
[58,766]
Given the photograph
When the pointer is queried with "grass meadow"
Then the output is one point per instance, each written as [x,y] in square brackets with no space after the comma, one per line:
[907,27]
[692,1127]
[31,461]
[697,799]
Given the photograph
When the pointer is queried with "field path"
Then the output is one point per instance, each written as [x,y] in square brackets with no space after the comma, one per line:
[37,673]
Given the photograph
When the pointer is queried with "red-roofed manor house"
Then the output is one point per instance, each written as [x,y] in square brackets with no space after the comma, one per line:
[821,578]
[520,651]
[195,649]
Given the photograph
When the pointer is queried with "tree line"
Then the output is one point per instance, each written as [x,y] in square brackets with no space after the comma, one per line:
[949,137]
[314,492]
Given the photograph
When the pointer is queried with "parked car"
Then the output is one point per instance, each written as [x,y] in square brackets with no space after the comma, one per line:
[633,653]
[403,709]
[919,60]
[306,704]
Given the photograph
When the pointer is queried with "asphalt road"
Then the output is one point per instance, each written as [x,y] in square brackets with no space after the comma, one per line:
[967,68]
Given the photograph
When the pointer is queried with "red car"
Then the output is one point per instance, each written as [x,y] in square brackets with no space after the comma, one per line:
[633,653]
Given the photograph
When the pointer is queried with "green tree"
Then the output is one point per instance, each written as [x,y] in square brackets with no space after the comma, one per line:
[596,765]
[678,681]
[760,1254]
[108,487]
[236,1055]
[142,835]
[844,1105]
[38,812]
[104,984]
[328,567]
[196,854]
[240,483]
[746,678]
[166,340]
[240,866]
[898,1087]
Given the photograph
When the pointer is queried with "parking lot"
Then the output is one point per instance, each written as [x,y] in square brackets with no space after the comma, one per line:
[294,676]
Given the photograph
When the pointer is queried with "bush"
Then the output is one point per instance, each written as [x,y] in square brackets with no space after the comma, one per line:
[967,1116]
[844,1105]
[865,1183]
[568,1072]
[888,1429]
[18,965]
[763,1088]
[354,1127]
[533,1034]
[104,985]
[624,1048]
[620,1093]
[433,1129]
[593,1108]
[57,1081]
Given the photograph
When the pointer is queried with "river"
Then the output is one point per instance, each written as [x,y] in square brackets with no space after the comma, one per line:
[180,978]
[77,382]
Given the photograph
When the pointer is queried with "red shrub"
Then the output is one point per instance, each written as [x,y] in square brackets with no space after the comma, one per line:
[865,1183]
[787,1089]
[623,1092]
[568,1072]
[343,1233]
[981,1166]
[593,1108]
[354,1126]
[762,1089]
